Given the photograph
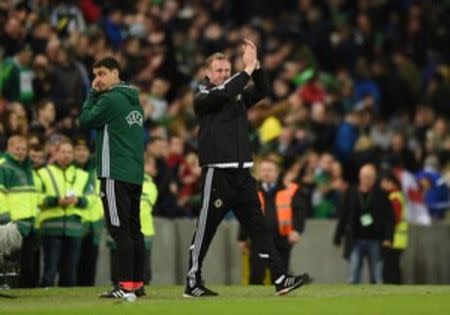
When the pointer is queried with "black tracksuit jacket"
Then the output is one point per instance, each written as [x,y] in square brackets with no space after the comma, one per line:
[222,115]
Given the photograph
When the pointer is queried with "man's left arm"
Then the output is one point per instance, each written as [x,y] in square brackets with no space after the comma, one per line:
[258,90]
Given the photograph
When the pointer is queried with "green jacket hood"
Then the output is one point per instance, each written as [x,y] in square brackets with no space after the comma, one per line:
[130,92]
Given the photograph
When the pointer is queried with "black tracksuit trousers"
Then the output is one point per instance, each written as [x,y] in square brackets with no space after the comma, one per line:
[121,204]
[225,189]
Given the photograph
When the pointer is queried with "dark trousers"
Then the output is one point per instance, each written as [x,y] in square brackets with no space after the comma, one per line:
[61,255]
[115,267]
[29,257]
[87,266]
[391,266]
[225,189]
[258,265]
[121,204]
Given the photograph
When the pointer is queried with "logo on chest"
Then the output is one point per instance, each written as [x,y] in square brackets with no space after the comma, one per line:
[135,118]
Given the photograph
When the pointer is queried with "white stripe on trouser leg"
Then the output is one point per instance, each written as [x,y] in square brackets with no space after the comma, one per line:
[111,198]
[201,223]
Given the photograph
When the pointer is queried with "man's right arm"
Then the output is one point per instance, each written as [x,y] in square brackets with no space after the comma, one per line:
[96,112]
[208,101]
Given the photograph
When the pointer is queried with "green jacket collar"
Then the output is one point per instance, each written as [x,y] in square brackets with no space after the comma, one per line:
[11,159]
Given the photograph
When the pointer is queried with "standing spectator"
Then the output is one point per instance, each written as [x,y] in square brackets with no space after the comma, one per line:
[284,211]
[92,217]
[67,84]
[20,199]
[16,78]
[42,81]
[65,188]
[148,201]
[434,191]
[366,220]
[391,255]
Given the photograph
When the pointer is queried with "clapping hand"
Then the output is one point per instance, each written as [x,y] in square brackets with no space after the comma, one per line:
[249,56]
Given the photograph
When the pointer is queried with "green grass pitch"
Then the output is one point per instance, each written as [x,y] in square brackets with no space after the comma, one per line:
[165,300]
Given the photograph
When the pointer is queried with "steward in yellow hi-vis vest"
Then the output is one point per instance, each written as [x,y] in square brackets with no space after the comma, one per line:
[92,217]
[284,209]
[391,255]
[66,190]
[19,200]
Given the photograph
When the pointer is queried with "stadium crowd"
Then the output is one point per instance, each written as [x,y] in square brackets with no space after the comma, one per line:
[352,82]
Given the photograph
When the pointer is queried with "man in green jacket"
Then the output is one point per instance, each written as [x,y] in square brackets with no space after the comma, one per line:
[114,111]
[19,203]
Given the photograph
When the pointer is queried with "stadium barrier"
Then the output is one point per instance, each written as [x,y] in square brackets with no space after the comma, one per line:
[426,260]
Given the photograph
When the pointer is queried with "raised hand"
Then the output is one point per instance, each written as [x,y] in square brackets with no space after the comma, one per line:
[249,56]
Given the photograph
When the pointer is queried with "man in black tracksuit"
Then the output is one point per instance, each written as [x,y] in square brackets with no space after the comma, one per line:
[225,157]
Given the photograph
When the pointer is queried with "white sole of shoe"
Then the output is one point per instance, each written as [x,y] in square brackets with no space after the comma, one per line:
[287,290]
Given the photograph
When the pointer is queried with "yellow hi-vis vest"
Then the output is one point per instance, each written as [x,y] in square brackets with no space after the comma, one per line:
[59,183]
[148,199]
[94,212]
[21,200]
[4,212]
[401,228]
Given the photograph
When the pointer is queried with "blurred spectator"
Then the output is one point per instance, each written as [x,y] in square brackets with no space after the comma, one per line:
[366,220]
[66,17]
[43,125]
[165,180]
[324,199]
[16,82]
[434,190]
[157,96]
[391,255]
[189,174]
[67,84]
[113,27]
[399,154]
[12,36]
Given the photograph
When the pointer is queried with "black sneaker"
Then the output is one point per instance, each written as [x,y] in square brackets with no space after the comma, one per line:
[140,292]
[198,291]
[118,293]
[290,283]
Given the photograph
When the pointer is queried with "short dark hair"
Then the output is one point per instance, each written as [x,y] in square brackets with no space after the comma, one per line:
[37,147]
[109,63]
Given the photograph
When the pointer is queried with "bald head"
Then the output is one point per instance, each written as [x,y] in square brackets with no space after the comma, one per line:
[367,176]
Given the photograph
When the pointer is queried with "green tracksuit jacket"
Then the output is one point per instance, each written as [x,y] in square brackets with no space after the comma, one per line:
[117,116]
